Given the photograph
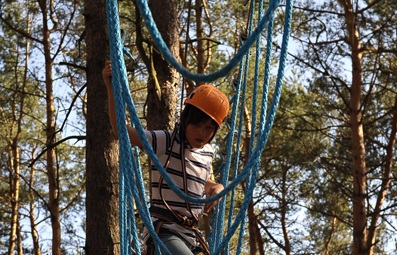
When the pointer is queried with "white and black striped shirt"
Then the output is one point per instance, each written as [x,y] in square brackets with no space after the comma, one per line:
[198,165]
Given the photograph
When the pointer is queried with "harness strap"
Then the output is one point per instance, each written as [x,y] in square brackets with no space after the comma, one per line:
[149,243]
[165,216]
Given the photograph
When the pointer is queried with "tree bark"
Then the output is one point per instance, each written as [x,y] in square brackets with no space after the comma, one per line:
[102,149]
[14,197]
[255,237]
[199,34]
[386,180]
[162,103]
[34,233]
[52,174]
[358,150]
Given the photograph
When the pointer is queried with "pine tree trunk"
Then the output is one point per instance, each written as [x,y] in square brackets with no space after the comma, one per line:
[386,181]
[162,103]
[52,173]
[34,233]
[14,195]
[14,154]
[357,134]
[102,149]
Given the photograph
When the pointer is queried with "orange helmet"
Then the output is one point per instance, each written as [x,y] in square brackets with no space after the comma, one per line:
[211,101]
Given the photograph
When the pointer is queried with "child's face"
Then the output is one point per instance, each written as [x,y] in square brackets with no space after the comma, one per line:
[200,134]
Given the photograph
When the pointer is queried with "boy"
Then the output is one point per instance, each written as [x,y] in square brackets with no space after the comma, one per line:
[187,156]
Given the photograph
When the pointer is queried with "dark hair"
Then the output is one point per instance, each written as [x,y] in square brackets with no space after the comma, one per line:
[193,115]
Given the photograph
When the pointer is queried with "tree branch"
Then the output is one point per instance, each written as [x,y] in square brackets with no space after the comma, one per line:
[78,137]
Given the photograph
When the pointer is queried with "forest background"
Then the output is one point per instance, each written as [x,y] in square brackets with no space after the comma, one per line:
[327,181]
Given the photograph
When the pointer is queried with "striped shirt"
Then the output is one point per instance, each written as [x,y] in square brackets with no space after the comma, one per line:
[198,164]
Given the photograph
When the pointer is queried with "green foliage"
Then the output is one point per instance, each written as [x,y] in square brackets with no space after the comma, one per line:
[325,58]
[305,182]
[23,124]
[295,143]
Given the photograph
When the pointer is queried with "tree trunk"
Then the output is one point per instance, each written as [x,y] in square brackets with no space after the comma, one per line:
[386,180]
[18,109]
[284,209]
[14,197]
[34,233]
[33,226]
[162,103]
[358,150]
[251,212]
[255,237]
[199,34]
[102,149]
[52,174]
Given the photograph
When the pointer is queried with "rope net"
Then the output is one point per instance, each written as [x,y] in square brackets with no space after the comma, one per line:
[132,190]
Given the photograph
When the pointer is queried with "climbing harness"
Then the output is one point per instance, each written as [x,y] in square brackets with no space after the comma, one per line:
[164,216]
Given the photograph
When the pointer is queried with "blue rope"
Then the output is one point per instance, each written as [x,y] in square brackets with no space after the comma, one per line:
[122,96]
[131,180]
[253,110]
[162,47]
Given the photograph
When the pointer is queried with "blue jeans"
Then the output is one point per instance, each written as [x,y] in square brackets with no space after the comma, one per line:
[176,245]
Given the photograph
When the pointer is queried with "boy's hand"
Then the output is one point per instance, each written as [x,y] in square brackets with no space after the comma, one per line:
[107,73]
[212,188]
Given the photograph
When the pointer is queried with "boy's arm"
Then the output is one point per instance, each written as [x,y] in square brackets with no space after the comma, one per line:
[212,188]
[132,133]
